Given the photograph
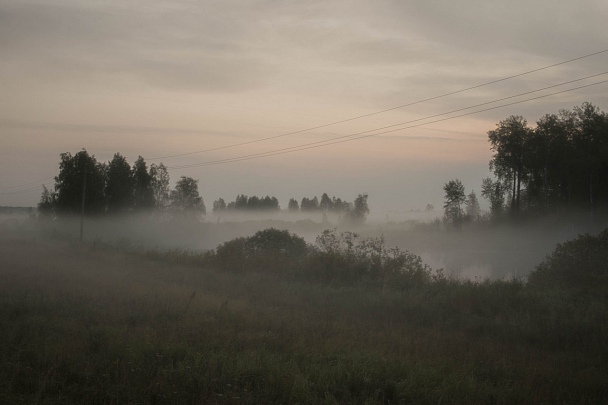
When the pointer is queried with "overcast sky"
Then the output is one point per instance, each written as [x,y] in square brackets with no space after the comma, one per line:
[160,78]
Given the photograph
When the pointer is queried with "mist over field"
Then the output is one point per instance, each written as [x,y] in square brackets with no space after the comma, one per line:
[477,253]
[303,202]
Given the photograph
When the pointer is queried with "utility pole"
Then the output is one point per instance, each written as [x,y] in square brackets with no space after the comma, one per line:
[84,187]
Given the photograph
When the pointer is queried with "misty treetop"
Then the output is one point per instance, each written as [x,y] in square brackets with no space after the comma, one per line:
[116,187]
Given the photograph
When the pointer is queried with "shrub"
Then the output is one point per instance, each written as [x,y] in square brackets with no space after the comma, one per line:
[268,250]
[582,262]
[348,258]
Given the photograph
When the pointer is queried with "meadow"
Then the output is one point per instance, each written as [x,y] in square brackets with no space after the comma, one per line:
[100,324]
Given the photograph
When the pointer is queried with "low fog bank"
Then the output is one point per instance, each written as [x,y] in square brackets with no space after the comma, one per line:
[477,251]
[493,251]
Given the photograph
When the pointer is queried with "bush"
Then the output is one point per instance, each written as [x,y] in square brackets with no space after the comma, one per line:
[582,262]
[349,259]
[270,250]
[339,259]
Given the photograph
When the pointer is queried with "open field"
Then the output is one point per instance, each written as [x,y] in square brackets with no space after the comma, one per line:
[89,325]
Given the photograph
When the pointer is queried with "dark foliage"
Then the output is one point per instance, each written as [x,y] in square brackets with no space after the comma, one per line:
[339,259]
[270,250]
[579,263]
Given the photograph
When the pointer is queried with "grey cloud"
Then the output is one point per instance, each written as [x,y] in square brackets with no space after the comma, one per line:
[169,49]
[535,26]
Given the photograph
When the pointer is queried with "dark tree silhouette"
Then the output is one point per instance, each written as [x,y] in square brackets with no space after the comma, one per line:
[70,180]
[454,198]
[48,201]
[293,205]
[360,210]
[143,194]
[119,186]
[508,142]
[308,205]
[186,198]
[160,186]
[326,203]
[219,205]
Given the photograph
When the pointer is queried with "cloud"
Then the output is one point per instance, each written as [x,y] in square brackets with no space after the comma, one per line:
[164,48]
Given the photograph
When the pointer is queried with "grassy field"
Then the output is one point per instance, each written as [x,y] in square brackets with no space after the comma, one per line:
[87,325]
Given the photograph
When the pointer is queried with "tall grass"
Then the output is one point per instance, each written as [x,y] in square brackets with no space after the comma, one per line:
[91,325]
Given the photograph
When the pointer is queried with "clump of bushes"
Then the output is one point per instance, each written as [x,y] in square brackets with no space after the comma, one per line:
[341,259]
[347,258]
[270,250]
[582,262]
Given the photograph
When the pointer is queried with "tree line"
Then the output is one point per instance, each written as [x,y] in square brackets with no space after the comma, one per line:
[116,187]
[352,211]
[558,166]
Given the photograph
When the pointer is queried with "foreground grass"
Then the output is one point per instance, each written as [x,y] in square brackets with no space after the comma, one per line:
[90,326]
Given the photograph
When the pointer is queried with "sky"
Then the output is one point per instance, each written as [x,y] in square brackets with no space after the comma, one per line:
[165,78]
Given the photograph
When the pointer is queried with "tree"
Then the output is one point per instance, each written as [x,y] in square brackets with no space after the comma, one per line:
[219,205]
[48,201]
[454,198]
[472,206]
[360,210]
[186,198]
[340,206]
[71,179]
[143,194]
[159,183]
[269,204]
[326,203]
[494,191]
[590,143]
[309,205]
[119,186]
[508,142]
[293,206]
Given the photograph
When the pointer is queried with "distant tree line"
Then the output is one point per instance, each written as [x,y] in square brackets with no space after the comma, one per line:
[560,165]
[245,203]
[354,212]
[116,187]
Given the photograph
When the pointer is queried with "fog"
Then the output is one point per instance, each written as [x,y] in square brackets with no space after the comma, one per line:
[476,252]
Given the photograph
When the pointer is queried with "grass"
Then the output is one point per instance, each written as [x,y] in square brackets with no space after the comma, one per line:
[87,325]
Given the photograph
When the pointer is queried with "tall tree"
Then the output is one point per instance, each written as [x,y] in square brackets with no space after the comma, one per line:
[143,194]
[549,158]
[326,203]
[494,191]
[159,182]
[119,187]
[308,204]
[48,201]
[472,206]
[454,198]
[293,205]
[590,145]
[186,198]
[360,210]
[71,179]
[219,205]
[508,142]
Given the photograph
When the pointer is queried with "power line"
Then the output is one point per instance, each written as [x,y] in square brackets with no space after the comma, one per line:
[29,190]
[28,184]
[340,139]
[381,111]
